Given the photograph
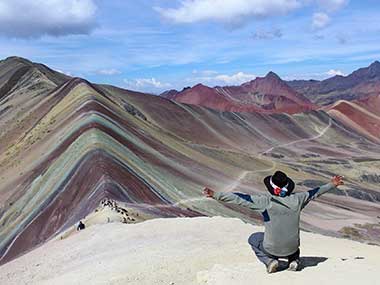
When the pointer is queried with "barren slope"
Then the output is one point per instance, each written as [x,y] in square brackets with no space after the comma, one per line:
[186,251]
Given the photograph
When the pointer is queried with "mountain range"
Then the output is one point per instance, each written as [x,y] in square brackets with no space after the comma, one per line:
[264,94]
[270,94]
[361,83]
[67,144]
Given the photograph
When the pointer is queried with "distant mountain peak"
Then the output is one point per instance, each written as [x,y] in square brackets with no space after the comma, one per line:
[199,85]
[169,94]
[272,75]
[14,68]
[368,73]
[14,57]
[361,83]
[170,90]
[375,66]
[18,59]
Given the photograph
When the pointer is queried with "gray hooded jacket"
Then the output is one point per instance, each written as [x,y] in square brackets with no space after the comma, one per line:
[281,216]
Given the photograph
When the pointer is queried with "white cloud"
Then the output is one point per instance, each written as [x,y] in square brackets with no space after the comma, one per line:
[320,20]
[223,79]
[332,5]
[111,71]
[333,72]
[227,11]
[35,18]
[235,79]
[146,84]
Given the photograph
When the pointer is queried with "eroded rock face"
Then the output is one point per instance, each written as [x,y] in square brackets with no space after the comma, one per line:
[134,111]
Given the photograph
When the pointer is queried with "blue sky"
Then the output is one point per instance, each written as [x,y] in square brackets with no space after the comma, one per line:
[157,45]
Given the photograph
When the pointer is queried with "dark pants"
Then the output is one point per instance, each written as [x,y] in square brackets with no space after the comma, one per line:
[256,242]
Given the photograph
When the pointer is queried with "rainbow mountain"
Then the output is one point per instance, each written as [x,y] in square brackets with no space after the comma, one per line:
[67,144]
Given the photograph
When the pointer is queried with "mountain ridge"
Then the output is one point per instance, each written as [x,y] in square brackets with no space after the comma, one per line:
[267,94]
[356,85]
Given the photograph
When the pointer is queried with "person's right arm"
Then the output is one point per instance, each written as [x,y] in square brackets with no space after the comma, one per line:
[254,202]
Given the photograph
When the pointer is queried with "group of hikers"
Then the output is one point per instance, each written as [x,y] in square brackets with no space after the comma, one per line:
[111,204]
[281,212]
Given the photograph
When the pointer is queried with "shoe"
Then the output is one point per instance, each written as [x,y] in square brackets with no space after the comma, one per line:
[294,265]
[272,266]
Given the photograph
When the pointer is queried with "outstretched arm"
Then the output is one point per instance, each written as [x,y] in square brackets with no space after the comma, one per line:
[306,197]
[254,202]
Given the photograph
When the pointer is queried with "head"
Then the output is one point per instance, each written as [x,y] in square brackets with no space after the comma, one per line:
[279,184]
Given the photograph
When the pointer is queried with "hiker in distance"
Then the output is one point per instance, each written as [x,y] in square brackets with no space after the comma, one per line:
[281,212]
[81,226]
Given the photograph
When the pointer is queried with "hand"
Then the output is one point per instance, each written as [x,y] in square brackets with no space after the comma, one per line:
[209,193]
[337,180]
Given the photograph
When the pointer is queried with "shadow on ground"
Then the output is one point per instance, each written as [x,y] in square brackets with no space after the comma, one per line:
[306,261]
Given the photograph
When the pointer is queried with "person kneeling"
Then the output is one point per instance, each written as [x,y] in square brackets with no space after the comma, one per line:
[281,211]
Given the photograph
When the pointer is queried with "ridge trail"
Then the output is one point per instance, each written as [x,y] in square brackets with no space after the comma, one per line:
[246,172]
